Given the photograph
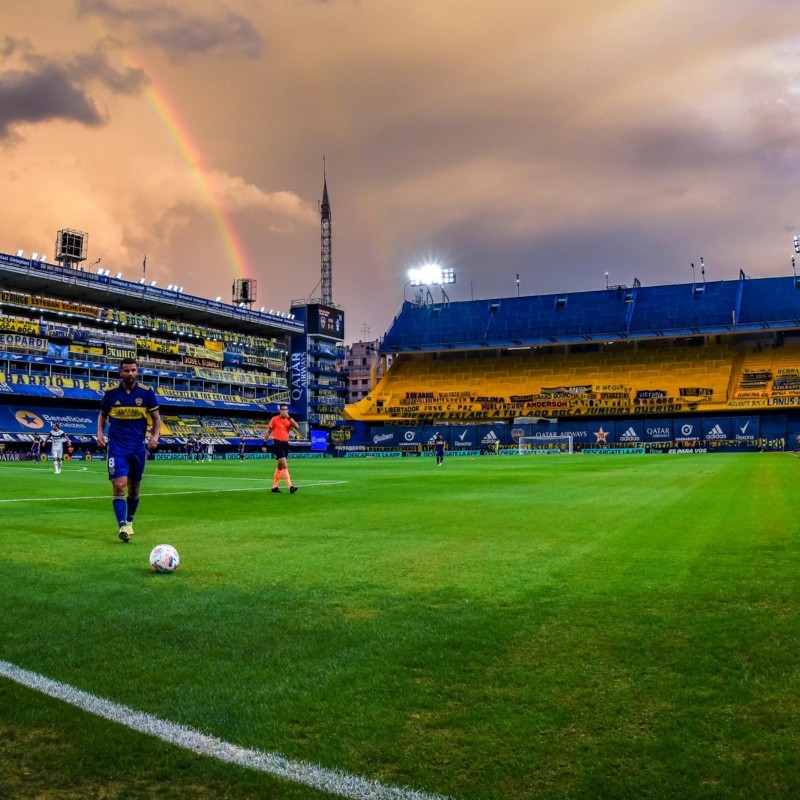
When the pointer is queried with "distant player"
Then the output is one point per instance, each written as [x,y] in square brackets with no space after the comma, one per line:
[438,449]
[242,442]
[279,430]
[127,409]
[198,449]
[57,439]
[189,448]
[210,451]
[36,449]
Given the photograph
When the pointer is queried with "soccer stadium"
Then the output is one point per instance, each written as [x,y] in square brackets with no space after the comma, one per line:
[507,626]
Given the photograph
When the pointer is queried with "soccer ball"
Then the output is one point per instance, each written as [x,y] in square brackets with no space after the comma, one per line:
[164,558]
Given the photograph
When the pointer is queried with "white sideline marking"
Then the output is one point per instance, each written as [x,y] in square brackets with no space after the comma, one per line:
[329,780]
[160,494]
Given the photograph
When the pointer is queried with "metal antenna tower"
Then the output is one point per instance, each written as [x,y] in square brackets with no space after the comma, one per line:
[326,280]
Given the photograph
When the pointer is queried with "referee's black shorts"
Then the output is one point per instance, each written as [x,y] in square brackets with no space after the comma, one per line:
[280,449]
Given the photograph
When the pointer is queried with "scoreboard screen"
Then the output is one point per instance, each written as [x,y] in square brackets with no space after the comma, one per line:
[326,321]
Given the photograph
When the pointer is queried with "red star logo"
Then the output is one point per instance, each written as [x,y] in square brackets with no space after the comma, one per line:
[601,435]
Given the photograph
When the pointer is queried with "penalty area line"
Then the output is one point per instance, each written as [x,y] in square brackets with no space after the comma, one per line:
[333,781]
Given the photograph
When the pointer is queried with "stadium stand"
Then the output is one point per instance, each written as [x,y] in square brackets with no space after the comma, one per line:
[63,333]
[628,379]
[703,357]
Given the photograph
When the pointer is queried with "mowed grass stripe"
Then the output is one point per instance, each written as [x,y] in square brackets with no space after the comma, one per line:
[495,628]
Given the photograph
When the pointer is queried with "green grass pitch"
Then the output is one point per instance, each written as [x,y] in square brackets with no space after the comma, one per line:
[501,627]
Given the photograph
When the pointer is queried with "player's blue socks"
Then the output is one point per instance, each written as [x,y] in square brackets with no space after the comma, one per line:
[119,509]
[133,504]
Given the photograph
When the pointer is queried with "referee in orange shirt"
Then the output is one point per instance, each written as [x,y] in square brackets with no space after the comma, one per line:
[279,427]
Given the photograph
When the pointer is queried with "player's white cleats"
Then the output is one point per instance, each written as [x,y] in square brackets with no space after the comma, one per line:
[125,532]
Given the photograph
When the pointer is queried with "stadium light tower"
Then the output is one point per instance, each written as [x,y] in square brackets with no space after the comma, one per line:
[432,274]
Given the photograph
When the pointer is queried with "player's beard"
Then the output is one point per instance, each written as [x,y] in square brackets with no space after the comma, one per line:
[129,383]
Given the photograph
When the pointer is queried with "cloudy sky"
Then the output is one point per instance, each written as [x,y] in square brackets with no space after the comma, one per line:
[554,139]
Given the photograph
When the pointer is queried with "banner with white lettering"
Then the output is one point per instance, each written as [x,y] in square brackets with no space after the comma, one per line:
[463,437]
[410,436]
[657,430]
[38,419]
[630,431]
[748,429]
[688,430]
[718,429]
[298,377]
[490,435]
[383,437]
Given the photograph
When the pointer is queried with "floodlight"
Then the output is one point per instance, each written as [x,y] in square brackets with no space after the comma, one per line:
[141,281]
[119,275]
[152,283]
[169,287]
[797,244]
[179,289]
[431,275]
[99,270]
[43,258]
[20,253]
[107,273]
[34,256]
[218,299]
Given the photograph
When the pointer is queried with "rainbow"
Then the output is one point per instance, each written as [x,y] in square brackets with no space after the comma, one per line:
[178,130]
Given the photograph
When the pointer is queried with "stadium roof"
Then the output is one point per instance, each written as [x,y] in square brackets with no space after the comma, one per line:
[619,313]
[28,275]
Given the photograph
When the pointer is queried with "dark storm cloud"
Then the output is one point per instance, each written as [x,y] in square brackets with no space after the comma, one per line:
[43,95]
[181,34]
[49,90]
[95,66]
[574,259]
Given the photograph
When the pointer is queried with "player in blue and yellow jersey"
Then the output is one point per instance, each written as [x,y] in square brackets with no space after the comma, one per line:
[438,448]
[127,409]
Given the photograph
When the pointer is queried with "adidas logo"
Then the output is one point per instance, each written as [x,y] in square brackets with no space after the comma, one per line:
[490,438]
[716,433]
[630,435]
